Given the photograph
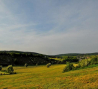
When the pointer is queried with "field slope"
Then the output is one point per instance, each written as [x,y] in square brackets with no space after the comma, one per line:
[41,77]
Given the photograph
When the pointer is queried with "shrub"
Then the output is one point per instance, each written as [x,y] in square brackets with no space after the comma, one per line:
[84,63]
[87,63]
[0,67]
[68,67]
[26,65]
[48,65]
[10,69]
[94,60]
[36,64]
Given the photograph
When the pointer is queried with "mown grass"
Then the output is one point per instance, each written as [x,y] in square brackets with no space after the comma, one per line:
[41,77]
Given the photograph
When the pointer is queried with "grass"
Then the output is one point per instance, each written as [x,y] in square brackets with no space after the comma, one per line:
[41,77]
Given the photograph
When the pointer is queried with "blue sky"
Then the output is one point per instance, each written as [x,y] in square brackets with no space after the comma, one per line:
[49,26]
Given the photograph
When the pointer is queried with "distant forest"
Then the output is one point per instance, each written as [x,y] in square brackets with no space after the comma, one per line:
[20,58]
[32,58]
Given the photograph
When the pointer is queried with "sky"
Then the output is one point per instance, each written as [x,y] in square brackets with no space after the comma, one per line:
[49,26]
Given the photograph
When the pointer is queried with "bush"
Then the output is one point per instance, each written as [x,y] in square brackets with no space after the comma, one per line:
[0,67]
[48,65]
[26,65]
[94,60]
[10,69]
[68,67]
[84,63]
[87,63]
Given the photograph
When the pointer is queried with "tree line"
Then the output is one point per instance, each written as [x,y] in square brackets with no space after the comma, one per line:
[7,58]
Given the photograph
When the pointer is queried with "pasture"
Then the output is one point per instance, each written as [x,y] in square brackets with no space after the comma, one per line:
[41,77]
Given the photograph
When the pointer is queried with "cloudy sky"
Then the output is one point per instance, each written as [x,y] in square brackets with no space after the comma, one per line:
[49,26]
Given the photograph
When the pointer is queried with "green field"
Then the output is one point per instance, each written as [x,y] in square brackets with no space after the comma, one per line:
[41,77]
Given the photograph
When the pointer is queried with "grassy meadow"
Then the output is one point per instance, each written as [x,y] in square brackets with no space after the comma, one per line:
[41,77]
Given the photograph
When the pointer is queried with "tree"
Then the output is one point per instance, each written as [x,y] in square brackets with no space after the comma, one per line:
[10,69]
